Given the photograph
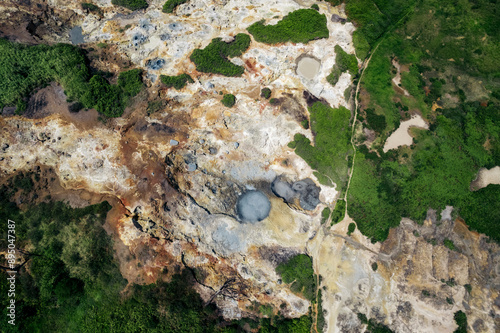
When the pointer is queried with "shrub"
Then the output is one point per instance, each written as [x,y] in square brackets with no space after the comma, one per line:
[130,4]
[315,7]
[214,57]
[266,93]
[351,228]
[228,100]
[461,320]
[299,272]
[178,82]
[170,5]
[374,266]
[300,26]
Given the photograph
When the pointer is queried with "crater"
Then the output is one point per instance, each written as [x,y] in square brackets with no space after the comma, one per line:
[253,206]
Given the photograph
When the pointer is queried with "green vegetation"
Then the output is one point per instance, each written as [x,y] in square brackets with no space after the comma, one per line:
[315,7]
[343,62]
[228,100]
[339,211]
[374,266]
[299,272]
[274,101]
[214,57]
[90,7]
[170,5]
[351,228]
[266,93]
[449,244]
[30,67]
[437,169]
[266,310]
[300,26]
[461,320]
[131,4]
[325,214]
[331,147]
[305,124]
[178,82]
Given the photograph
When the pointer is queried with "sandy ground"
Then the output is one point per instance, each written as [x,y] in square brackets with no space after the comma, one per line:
[401,136]
[308,67]
[486,177]
[397,79]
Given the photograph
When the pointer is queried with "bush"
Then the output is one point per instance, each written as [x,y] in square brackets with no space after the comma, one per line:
[461,320]
[170,5]
[315,7]
[214,57]
[178,82]
[130,82]
[300,26]
[228,100]
[266,93]
[298,270]
[351,228]
[131,4]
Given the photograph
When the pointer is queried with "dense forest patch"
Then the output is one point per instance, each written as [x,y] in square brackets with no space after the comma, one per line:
[300,26]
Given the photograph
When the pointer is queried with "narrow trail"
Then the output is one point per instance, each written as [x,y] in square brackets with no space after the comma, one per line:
[356,103]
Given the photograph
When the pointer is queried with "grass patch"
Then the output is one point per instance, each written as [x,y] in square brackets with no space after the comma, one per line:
[170,5]
[299,272]
[178,82]
[214,57]
[228,100]
[331,147]
[320,318]
[131,4]
[300,26]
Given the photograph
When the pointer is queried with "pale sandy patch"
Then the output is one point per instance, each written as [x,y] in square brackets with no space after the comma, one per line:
[401,136]
[486,177]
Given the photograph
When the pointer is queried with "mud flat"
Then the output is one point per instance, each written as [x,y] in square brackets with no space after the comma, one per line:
[486,177]
[401,136]
[308,67]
